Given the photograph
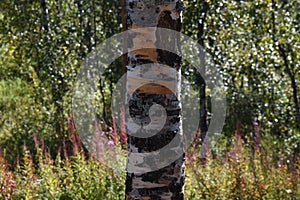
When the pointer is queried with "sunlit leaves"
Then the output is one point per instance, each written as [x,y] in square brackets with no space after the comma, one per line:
[47,62]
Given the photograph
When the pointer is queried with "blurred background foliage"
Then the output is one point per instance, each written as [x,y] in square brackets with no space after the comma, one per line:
[43,44]
[254,44]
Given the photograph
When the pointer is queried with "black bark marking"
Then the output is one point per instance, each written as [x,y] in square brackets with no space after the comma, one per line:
[139,106]
[169,58]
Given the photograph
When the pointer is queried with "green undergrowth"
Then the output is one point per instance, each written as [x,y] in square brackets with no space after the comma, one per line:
[241,174]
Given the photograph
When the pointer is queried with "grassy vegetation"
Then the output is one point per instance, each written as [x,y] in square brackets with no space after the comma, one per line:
[239,173]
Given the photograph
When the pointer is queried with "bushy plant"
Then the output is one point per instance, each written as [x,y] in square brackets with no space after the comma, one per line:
[243,173]
[74,177]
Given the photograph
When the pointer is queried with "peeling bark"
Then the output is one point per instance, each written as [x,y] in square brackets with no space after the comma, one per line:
[165,183]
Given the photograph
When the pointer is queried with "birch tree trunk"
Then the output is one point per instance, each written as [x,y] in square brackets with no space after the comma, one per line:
[166,182]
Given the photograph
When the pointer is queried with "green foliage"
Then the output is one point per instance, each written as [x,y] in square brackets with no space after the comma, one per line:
[244,38]
[255,45]
[235,175]
[41,51]
[241,173]
[236,180]
[74,178]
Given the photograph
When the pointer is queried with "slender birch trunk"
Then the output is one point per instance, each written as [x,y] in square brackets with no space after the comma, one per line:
[167,182]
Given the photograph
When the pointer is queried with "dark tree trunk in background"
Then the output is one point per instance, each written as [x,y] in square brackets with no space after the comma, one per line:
[284,50]
[293,83]
[200,80]
[48,62]
[167,182]
[45,24]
